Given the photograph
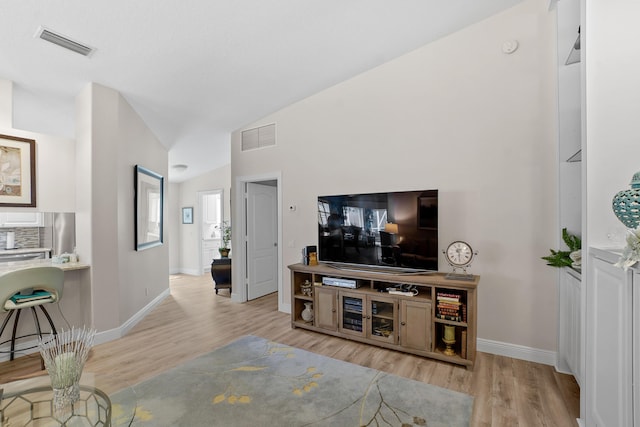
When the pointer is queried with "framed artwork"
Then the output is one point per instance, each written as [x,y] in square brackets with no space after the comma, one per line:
[187,215]
[149,203]
[17,171]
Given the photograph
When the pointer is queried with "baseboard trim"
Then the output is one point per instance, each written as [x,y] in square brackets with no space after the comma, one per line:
[100,337]
[190,272]
[122,330]
[516,351]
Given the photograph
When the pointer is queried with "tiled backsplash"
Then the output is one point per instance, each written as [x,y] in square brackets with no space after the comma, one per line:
[27,237]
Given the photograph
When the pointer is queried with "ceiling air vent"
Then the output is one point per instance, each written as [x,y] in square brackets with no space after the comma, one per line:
[64,42]
[259,137]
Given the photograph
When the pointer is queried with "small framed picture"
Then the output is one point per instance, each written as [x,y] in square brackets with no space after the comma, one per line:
[187,215]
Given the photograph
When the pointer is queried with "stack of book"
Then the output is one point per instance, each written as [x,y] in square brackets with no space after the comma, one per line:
[37,295]
[449,307]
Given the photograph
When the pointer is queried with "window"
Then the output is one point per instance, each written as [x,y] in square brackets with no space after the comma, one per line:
[323,213]
[353,216]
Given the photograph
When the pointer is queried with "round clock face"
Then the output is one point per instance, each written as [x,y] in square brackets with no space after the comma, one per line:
[459,253]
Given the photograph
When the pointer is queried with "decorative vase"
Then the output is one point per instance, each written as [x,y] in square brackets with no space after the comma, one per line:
[224,252]
[64,356]
[626,204]
[449,340]
[307,313]
[306,288]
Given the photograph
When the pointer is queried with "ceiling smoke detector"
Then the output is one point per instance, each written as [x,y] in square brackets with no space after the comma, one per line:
[65,42]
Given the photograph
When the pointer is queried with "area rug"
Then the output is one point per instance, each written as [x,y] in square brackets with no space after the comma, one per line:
[256,382]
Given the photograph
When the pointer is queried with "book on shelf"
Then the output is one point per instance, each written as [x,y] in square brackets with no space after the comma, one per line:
[445,307]
[446,301]
[445,296]
[448,317]
[463,344]
[449,313]
[448,295]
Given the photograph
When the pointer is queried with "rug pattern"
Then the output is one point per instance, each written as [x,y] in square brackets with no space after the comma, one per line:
[256,382]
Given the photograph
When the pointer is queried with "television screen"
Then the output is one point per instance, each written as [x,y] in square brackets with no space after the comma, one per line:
[397,230]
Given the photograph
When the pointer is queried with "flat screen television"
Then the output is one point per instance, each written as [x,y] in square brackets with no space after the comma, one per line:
[396,231]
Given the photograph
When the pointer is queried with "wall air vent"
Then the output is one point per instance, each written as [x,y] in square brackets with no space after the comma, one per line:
[259,137]
[64,42]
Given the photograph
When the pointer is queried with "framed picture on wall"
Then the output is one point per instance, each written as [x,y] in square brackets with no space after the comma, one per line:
[149,205]
[187,215]
[17,171]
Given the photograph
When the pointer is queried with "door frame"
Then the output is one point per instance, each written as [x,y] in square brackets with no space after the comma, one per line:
[239,239]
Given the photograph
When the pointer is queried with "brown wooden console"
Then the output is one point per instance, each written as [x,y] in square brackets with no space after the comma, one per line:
[367,313]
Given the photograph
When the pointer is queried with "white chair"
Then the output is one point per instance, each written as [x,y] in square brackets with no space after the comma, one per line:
[26,281]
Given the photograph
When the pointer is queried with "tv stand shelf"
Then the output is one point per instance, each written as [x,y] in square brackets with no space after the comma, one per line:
[368,313]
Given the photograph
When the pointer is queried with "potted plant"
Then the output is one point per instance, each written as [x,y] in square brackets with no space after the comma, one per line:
[225,230]
[569,258]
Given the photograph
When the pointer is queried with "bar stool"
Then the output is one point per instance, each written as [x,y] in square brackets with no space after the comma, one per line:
[25,282]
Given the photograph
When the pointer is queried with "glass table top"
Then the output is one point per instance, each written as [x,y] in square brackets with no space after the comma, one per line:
[30,403]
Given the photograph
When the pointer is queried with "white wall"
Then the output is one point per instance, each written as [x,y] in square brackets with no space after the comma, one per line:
[612,100]
[457,115]
[188,239]
[112,139]
[611,136]
[172,225]
[55,180]
[6,103]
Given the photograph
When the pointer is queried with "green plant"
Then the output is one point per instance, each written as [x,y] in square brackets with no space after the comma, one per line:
[225,229]
[561,258]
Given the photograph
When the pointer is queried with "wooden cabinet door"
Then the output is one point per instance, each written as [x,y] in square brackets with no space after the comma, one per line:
[415,324]
[326,308]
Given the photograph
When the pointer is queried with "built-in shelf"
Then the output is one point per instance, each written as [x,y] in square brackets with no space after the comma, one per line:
[574,54]
[576,157]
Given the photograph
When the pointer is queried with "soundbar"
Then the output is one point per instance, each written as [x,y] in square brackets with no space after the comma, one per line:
[343,283]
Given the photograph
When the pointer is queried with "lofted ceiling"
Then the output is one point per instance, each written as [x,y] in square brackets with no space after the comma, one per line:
[197,70]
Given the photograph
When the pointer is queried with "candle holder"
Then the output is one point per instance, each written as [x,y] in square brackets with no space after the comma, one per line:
[449,340]
[64,355]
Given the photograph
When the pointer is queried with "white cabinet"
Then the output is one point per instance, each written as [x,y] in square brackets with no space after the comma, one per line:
[612,344]
[569,324]
[210,251]
[21,219]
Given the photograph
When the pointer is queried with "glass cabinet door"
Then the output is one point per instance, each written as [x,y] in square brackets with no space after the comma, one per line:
[352,314]
[382,316]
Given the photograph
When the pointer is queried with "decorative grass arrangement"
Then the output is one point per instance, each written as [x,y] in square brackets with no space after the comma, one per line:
[64,355]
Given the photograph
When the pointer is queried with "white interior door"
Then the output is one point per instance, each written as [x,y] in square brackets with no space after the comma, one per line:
[262,238]
[210,219]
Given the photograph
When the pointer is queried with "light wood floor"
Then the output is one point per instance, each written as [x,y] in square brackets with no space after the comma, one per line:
[194,320]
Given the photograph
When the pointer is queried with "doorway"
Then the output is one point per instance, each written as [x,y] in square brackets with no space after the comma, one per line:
[257,223]
[210,214]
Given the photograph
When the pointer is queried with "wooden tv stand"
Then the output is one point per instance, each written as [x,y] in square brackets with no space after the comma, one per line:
[369,314]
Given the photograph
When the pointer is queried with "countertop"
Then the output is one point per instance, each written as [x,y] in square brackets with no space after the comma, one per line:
[18,265]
